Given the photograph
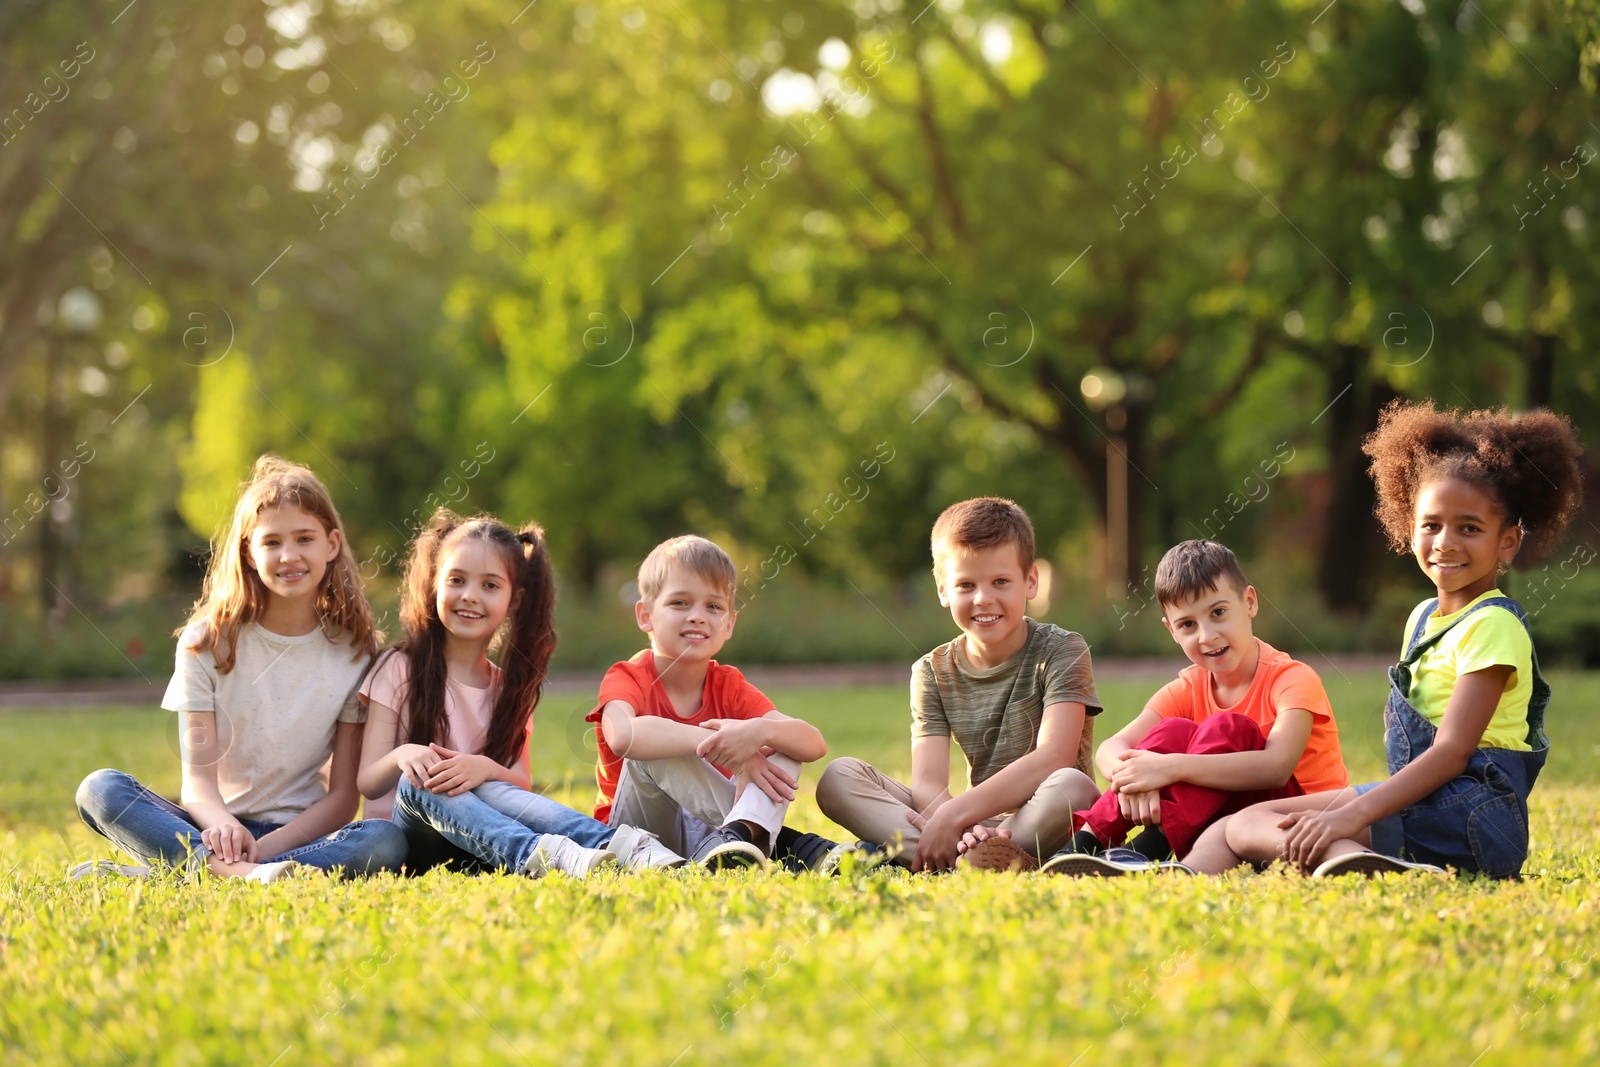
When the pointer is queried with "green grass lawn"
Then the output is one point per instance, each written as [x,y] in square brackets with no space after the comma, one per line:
[770,968]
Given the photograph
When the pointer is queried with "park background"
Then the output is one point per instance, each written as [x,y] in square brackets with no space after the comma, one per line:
[792,275]
[796,276]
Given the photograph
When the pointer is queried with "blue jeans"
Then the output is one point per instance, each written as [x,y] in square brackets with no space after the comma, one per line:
[496,824]
[154,829]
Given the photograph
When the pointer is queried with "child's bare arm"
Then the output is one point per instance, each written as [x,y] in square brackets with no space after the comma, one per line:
[930,775]
[200,794]
[646,737]
[730,742]
[334,810]
[1269,768]
[1108,756]
[1060,729]
[1472,705]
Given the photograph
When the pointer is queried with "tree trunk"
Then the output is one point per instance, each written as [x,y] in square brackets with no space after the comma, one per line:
[1541,370]
[1352,544]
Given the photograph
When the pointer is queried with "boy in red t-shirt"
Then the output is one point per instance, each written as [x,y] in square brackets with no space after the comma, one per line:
[689,750]
[1245,723]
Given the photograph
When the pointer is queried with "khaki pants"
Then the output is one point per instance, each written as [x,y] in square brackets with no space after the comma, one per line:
[680,800]
[873,806]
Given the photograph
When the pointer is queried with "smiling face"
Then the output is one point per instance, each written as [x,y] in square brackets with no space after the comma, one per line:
[473,590]
[1213,628]
[987,592]
[1460,538]
[290,551]
[690,619]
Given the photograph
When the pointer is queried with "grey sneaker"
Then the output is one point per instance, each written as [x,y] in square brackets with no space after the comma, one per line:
[640,850]
[107,869]
[1369,864]
[557,853]
[723,849]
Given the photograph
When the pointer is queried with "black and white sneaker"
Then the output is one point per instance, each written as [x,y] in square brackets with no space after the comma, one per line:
[727,848]
[863,856]
[1369,864]
[1113,863]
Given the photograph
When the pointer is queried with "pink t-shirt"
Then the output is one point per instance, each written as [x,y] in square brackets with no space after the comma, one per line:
[467,712]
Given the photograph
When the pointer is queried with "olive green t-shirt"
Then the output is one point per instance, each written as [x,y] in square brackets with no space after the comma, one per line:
[994,714]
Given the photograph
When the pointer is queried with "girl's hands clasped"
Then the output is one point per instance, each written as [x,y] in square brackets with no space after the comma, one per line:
[1311,832]
[229,842]
[416,762]
[455,772]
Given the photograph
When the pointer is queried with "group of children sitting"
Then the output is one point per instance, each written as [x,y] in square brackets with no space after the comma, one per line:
[291,714]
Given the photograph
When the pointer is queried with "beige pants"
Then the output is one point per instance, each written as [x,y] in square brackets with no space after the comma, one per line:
[873,806]
[681,800]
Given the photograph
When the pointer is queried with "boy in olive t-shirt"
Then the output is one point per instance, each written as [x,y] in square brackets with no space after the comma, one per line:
[1016,694]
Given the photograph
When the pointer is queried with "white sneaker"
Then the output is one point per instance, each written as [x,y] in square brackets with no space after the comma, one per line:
[107,869]
[641,850]
[267,873]
[557,853]
[1369,864]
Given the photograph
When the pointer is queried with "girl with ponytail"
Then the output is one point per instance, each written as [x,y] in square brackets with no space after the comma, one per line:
[446,747]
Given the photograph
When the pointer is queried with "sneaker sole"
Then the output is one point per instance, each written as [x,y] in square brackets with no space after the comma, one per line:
[999,854]
[1080,865]
[1369,864]
[732,857]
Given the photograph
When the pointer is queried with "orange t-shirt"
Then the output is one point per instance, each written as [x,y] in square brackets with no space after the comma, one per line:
[726,696]
[1281,682]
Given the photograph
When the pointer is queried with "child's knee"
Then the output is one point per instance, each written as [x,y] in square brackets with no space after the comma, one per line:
[1071,787]
[96,791]
[836,781]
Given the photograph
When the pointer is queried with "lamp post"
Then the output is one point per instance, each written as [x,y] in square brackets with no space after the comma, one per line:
[1104,390]
[78,315]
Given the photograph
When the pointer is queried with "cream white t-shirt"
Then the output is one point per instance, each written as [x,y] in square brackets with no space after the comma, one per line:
[467,713]
[276,714]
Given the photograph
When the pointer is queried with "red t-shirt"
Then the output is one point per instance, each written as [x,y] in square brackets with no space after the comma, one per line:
[726,696]
[1281,682]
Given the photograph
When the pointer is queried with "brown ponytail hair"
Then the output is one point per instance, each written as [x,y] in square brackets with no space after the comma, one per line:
[522,647]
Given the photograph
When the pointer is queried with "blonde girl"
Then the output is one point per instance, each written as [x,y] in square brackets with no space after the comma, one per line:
[265,687]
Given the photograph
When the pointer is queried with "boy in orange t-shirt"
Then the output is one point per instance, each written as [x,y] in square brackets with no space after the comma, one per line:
[1245,723]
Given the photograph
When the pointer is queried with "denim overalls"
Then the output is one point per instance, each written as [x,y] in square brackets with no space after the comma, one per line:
[1477,821]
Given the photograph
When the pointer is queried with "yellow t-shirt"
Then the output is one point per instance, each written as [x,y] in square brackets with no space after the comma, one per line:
[1491,638]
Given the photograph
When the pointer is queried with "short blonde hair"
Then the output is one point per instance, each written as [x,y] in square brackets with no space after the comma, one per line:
[704,557]
[983,522]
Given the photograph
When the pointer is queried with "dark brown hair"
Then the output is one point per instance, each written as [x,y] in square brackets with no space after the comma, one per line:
[982,522]
[1528,463]
[1193,568]
[524,643]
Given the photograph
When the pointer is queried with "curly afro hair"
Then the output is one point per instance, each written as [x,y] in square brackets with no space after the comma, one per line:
[1527,462]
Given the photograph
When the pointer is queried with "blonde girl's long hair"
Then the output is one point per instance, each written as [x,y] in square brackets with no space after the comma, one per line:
[233,596]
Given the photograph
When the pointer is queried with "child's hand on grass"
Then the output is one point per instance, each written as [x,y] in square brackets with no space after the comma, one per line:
[457,772]
[230,843]
[1311,832]
[416,762]
[731,741]
[1143,772]
[937,850]
[765,776]
[1144,809]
